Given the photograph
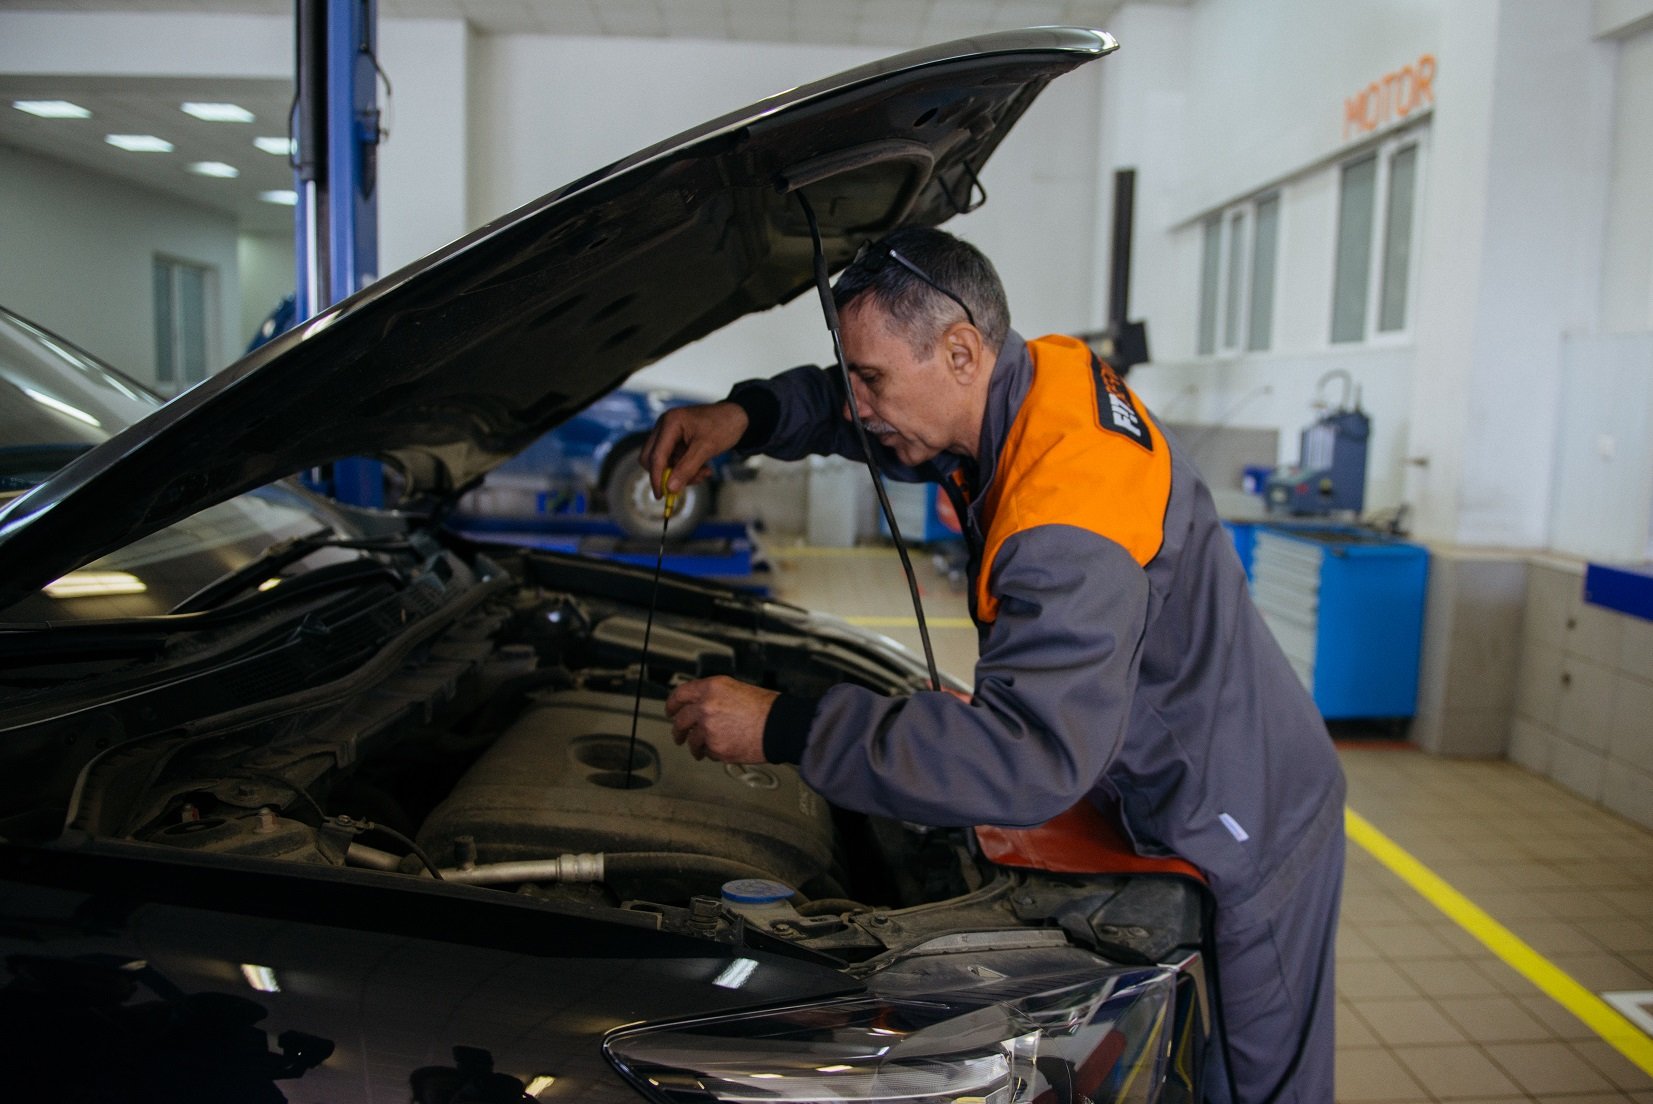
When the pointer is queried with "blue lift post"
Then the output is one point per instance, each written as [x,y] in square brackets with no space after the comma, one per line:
[336,221]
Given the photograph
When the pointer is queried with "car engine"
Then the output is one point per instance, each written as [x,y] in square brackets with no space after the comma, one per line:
[474,724]
[557,781]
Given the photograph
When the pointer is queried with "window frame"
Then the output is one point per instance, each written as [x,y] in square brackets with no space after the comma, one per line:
[1230,308]
[178,378]
[1385,150]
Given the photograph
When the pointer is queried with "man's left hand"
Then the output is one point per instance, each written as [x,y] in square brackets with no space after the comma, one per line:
[720,719]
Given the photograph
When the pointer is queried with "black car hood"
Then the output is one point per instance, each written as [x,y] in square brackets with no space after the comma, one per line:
[454,363]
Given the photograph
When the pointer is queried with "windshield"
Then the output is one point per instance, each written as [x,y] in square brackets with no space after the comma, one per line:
[56,402]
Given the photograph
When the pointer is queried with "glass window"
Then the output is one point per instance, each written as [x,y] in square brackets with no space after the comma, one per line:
[1209,262]
[185,302]
[1356,201]
[1397,239]
[165,370]
[1237,276]
[1233,289]
[1260,323]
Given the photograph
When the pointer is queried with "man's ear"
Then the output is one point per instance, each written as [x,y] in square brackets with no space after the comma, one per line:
[963,348]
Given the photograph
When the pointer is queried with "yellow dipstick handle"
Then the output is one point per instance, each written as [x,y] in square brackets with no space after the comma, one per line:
[671,495]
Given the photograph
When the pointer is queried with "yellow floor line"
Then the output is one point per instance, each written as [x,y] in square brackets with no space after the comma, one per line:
[871,622]
[1601,1017]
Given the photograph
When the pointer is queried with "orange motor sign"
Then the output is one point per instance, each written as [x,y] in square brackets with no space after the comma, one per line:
[1390,98]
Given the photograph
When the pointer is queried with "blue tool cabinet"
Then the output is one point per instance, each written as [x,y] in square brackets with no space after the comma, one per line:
[1346,606]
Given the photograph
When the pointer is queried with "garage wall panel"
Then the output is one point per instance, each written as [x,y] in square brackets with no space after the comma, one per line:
[265,265]
[423,200]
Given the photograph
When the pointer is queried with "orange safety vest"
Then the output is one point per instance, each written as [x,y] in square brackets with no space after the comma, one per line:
[1081,452]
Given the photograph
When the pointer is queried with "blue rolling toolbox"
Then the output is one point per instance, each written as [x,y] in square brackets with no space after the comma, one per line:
[1346,605]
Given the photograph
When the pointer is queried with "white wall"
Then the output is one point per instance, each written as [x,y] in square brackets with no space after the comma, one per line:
[549,109]
[1268,81]
[1514,213]
[265,263]
[423,170]
[1603,503]
[77,252]
[1627,269]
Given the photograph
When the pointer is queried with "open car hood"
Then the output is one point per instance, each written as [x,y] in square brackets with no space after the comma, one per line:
[451,365]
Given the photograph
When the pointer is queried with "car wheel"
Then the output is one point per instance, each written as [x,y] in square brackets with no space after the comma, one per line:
[633,507]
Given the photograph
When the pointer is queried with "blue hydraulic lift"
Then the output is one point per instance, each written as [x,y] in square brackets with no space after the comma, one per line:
[336,223]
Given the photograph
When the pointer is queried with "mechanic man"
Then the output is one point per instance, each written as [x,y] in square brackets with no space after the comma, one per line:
[1120,656]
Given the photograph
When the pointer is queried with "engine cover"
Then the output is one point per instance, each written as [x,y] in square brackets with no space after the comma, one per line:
[555,781]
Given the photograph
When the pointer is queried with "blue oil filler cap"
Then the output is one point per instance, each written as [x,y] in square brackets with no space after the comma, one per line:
[755,891]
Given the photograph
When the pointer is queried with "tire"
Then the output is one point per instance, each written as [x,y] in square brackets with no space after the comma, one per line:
[633,507]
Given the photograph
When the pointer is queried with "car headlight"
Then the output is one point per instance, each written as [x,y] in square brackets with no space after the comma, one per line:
[1097,1032]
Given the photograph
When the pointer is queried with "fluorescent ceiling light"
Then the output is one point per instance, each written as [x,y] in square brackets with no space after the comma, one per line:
[215,168]
[95,584]
[52,109]
[261,978]
[281,147]
[218,112]
[287,198]
[539,1084]
[139,143]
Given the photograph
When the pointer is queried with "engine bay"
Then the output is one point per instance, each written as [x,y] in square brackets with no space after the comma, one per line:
[495,750]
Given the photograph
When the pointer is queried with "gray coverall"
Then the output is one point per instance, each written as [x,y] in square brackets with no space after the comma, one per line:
[1150,680]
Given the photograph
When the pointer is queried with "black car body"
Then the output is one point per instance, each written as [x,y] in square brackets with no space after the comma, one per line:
[302,796]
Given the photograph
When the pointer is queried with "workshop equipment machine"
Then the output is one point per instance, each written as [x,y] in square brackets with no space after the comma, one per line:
[1330,474]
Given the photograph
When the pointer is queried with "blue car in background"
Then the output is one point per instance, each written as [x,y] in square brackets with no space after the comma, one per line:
[587,464]
[590,463]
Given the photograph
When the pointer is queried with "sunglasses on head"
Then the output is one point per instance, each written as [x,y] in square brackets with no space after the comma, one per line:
[874,255]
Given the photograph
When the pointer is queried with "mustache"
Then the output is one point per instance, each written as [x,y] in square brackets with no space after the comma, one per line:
[878,429]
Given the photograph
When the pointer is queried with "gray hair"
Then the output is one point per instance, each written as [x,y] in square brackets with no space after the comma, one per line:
[919,310]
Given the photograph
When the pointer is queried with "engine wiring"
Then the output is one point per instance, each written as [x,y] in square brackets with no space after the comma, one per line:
[823,287]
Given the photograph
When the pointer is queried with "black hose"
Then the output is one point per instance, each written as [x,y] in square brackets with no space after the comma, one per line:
[823,287]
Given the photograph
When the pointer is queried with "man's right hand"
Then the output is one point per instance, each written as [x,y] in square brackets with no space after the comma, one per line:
[686,438]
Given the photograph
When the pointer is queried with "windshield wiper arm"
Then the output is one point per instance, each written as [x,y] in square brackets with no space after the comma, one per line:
[259,568]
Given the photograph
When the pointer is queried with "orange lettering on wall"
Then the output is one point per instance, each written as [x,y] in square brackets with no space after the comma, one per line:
[1393,96]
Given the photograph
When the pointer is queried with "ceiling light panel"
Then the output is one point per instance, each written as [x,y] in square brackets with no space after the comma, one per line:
[52,109]
[139,143]
[281,147]
[218,112]
[286,198]
[215,168]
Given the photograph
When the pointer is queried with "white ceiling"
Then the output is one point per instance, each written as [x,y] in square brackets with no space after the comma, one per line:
[150,105]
